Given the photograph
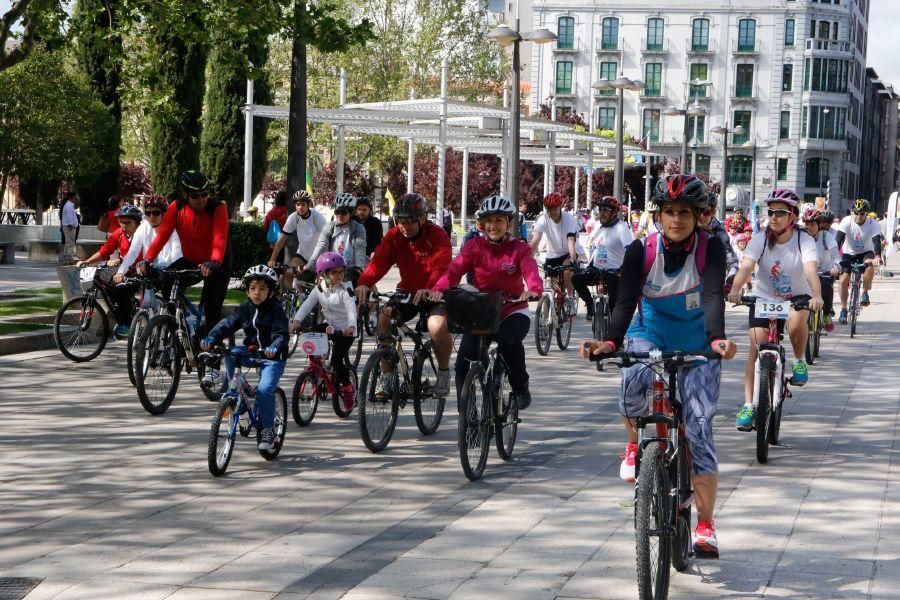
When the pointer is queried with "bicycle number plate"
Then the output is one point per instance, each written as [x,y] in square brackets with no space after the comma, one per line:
[314,344]
[766,308]
[86,275]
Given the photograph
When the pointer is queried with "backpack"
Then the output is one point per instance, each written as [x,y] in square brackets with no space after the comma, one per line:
[650,243]
[274,232]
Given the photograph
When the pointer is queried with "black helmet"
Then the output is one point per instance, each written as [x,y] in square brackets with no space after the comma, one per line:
[712,200]
[681,188]
[364,201]
[411,206]
[194,181]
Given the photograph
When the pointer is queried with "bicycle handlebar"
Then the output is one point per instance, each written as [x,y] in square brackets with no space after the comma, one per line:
[626,358]
[798,303]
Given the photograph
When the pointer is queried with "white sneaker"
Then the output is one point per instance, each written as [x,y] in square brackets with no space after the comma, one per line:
[629,457]
[442,385]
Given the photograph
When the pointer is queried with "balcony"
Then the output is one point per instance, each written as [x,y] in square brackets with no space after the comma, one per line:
[612,47]
[565,46]
[833,47]
[652,92]
[744,94]
[655,47]
[819,145]
[745,48]
[700,50]
[673,137]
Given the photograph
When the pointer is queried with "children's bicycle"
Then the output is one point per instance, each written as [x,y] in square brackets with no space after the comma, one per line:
[317,381]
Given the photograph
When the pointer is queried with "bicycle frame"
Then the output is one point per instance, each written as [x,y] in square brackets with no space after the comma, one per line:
[394,339]
[316,365]
[665,414]
[772,352]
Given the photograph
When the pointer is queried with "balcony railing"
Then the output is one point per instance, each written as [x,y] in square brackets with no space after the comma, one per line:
[699,48]
[653,91]
[745,47]
[744,93]
[830,45]
[654,46]
[569,45]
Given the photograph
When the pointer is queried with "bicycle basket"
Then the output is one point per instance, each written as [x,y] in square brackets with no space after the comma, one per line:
[314,344]
[471,311]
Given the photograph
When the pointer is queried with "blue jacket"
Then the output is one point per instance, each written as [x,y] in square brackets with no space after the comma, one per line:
[265,325]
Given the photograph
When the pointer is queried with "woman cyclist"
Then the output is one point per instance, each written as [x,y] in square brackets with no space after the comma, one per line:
[829,257]
[788,267]
[682,307]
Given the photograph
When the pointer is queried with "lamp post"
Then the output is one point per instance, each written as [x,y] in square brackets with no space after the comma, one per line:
[505,36]
[621,84]
[724,131]
[688,112]
[757,145]
[694,146]
[825,112]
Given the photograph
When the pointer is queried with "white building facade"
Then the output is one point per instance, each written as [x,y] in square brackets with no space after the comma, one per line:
[791,72]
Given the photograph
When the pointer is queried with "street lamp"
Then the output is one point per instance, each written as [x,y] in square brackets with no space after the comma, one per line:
[825,112]
[693,111]
[724,131]
[694,146]
[506,36]
[621,84]
[762,145]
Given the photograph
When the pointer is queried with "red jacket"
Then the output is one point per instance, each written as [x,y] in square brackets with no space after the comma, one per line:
[203,236]
[421,260]
[115,241]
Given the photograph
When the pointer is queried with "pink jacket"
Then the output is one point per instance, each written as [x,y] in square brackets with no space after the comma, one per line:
[496,267]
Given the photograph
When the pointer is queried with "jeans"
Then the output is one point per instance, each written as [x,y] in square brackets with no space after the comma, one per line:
[69,237]
[592,276]
[513,330]
[270,372]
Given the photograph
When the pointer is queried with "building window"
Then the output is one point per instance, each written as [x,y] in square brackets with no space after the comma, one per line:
[789,25]
[650,127]
[743,85]
[787,77]
[699,72]
[824,122]
[746,35]
[824,30]
[784,128]
[655,28]
[816,172]
[653,79]
[566,32]
[740,169]
[697,128]
[700,35]
[782,169]
[608,71]
[606,118]
[564,77]
[742,118]
[609,37]
[702,167]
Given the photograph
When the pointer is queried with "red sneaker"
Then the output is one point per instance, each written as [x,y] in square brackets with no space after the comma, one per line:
[348,396]
[626,469]
[705,543]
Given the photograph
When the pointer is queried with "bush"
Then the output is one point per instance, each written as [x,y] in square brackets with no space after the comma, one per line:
[248,246]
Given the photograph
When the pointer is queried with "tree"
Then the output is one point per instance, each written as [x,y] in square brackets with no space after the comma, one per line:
[37,19]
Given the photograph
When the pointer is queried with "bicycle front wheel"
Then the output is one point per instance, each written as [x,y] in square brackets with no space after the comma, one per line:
[763,409]
[428,410]
[564,331]
[378,411]
[221,437]
[81,329]
[812,323]
[506,422]
[474,434]
[280,426]
[681,540]
[305,398]
[158,363]
[651,526]
[138,324]
[598,325]
[543,328]
[854,307]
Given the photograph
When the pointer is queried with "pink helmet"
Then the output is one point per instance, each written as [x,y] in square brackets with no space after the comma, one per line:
[786,196]
[328,261]
[742,237]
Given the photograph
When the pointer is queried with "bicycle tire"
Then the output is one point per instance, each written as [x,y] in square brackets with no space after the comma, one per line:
[159,359]
[854,307]
[474,431]
[651,520]
[378,417]
[543,328]
[337,403]
[681,540]
[506,422]
[212,394]
[775,421]
[293,342]
[280,426]
[357,352]
[221,447]
[428,410]
[139,322]
[763,408]
[72,329]
[564,331]
[305,398]
[599,324]
[811,324]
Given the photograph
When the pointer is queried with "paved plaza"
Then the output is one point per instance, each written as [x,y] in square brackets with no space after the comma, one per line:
[101,500]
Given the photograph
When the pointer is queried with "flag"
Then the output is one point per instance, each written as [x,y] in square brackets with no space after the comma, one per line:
[391,202]
[308,183]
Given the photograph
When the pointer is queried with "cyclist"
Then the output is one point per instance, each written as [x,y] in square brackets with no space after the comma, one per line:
[421,251]
[266,326]
[154,208]
[829,255]
[499,262]
[681,307]
[561,229]
[305,224]
[202,226]
[787,266]
[712,225]
[607,242]
[860,240]
[344,236]
[374,230]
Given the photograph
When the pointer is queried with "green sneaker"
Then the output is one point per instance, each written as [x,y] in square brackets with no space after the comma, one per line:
[800,373]
[745,418]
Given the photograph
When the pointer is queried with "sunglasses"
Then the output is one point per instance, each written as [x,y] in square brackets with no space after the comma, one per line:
[198,195]
[153,213]
[779,212]
[860,213]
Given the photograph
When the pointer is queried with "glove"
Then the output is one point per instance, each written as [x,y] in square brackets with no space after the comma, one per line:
[207,343]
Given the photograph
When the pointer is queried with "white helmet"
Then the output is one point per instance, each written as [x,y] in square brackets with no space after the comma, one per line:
[496,205]
[263,272]
[344,201]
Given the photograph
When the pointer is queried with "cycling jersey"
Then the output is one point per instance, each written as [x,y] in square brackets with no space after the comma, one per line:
[140,243]
[609,243]
[859,239]
[827,251]
[557,234]
[779,269]
[306,229]
[117,240]
[347,240]
[421,260]
[203,233]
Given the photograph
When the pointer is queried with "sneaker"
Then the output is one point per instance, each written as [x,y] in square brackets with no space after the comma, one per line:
[705,543]
[570,305]
[121,331]
[745,418]
[523,398]
[348,397]
[589,316]
[267,439]
[828,323]
[626,469]
[800,373]
[381,388]
[842,319]
[864,300]
[442,385]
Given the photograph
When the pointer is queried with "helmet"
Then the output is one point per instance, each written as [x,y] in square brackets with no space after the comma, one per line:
[787,197]
[344,201]
[611,202]
[861,206]
[828,216]
[552,199]
[742,237]
[739,211]
[364,201]
[129,211]
[156,201]
[873,215]
[410,206]
[328,261]
[681,188]
[812,215]
[194,181]
[712,201]
[477,214]
[302,195]
[496,205]
[262,272]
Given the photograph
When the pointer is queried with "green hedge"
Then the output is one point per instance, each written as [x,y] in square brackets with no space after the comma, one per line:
[248,246]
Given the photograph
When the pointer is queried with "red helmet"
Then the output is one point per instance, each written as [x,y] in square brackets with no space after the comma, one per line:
[611,202]
[552,199]
[156,201]
[811,215]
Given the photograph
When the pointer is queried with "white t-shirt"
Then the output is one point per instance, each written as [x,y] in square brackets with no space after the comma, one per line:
[556,234]
[141,241]
[610,243]
[307,231]
[827,251]
[858,238]
[779,269]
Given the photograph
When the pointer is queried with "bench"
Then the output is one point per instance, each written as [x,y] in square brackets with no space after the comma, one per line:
[44,251]
[7,253]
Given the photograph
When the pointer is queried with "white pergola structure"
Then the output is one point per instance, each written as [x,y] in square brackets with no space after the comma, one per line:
[446,123]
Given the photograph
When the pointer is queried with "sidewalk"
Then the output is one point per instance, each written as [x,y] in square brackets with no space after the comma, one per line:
[24,274]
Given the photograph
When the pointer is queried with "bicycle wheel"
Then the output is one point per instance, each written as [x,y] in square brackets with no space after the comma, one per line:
[854,307]
[428,410]
[811,324]
[280,426]
[138,324]
[564,331]
[474,433]
[305,398]
[221,436]
[598,325]
[378,415]
[681,541]
[357,350]
[81,329]
[543,329]
[337,403]
[215,391]
[775,420]
[506,422]
[158,362]
[651,526]
[763,408]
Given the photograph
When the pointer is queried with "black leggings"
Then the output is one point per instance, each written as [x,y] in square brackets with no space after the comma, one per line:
[340,352]
[513,330]
[215,287]
[827,283]
[592,276]
[122,297]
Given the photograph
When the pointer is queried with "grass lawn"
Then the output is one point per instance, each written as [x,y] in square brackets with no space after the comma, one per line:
[232,297]
[41,304]
[49,290]
[8,328]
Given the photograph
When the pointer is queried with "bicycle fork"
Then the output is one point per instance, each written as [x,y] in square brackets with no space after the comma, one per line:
[768,360]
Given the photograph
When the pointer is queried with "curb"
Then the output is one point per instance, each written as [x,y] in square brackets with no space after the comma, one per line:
[16,343]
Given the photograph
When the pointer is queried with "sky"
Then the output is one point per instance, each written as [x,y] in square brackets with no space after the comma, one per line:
[884,19]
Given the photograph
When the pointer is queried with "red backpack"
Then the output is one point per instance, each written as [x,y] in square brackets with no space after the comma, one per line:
[651,241]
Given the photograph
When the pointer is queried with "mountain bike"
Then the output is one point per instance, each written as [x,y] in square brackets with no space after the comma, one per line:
[663,491]
[238,412]
[150,306]
[555,311]
[602,307]
[317,380]
[406,376]
[816,324]
[856,276]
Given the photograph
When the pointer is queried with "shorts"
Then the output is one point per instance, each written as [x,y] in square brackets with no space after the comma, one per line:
[855,259]
[764,323]
[410,311]
[556,262]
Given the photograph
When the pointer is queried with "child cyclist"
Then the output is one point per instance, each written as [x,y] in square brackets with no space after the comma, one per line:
[499,262]
[335,296]
[266,326]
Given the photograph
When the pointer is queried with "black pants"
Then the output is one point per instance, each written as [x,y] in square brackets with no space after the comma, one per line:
[513,330]
[215,287]
[122,298]
[340,352]
[827,283]
[592,276]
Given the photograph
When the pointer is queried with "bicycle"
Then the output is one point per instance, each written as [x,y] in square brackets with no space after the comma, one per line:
[663,490]
[770,386]
[378,415]
[816,324]
[317,380]
[854,309]
[238,413]
[602,308]
[149,307]
[555,311]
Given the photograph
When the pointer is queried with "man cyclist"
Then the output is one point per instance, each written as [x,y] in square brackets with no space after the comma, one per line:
[829,257]
[607,242]
[304,223]
[374,230]
[421,251]
[561,230]
[859,238]
[344,236]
